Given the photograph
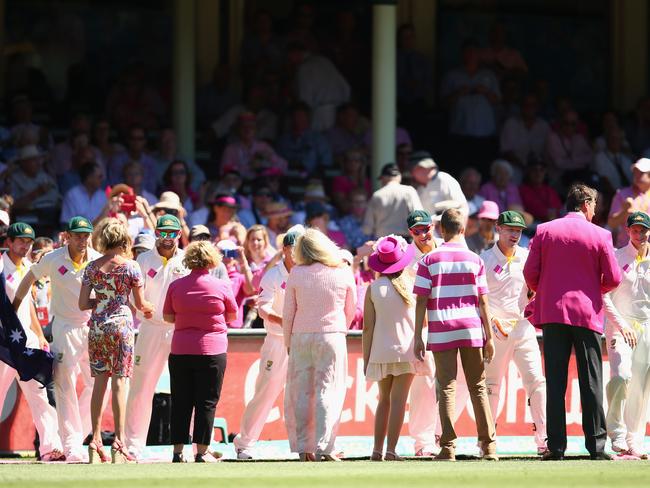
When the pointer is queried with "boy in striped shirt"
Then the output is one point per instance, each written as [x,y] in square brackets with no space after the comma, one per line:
[451,289]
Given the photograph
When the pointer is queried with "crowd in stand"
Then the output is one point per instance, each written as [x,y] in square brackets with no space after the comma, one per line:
[294,153]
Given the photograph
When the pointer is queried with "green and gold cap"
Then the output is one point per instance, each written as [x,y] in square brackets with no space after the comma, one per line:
[80,225]
[511,218]
[639,218]
[21,229]
[168,222]
[418,217]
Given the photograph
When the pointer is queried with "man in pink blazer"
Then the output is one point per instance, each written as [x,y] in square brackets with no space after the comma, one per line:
[570,266]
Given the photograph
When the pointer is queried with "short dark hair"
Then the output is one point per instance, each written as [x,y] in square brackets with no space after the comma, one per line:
[87,170]
[452,221]
[578,194]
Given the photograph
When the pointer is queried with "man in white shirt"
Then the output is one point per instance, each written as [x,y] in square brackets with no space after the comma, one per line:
[160,267]
[273,355]
[627,331]
[15,264]
[434,185]
[516,337]
[65,267]
[87,198]
[390,206]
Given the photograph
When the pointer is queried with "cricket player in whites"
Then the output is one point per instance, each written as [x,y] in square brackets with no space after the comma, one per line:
[15,264]
[515,336]
[65,267]
[627,309]
[273,355]
[160,266]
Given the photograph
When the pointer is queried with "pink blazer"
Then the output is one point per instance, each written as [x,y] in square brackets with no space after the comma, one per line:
[570,266]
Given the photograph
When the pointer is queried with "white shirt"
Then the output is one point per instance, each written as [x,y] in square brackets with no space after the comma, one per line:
[78,202]
[522,141]
[13,277]
[506,283]
[605,163]
[441,187]
[271,297]
[65,279]
[630,302]
[157,278]
[389,208]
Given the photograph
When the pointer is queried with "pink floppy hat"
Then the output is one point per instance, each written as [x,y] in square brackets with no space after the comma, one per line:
[391,254]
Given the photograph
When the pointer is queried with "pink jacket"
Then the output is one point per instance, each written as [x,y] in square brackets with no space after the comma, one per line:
[318,299]
[570,266]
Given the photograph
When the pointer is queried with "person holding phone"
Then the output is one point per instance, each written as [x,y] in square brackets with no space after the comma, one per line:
[241,277]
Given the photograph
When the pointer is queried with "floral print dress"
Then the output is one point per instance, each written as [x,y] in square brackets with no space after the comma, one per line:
[111,337]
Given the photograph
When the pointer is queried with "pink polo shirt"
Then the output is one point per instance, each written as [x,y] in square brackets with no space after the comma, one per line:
[199,302]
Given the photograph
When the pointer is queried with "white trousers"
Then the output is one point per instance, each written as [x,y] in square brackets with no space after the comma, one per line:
[269,384]
[520,346]
[636,405]
[43,413]
[70,349]
[423,411]
[152,349]
[620,373]
[315,391]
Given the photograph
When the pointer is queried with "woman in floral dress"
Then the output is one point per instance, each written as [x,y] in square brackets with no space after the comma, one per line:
[110,340]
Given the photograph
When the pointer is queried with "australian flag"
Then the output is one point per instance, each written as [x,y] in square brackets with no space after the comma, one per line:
[31,364]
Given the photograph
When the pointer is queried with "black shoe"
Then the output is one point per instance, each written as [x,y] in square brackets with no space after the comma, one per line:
[198,458]
[553,456]
[178,458]
[601,456]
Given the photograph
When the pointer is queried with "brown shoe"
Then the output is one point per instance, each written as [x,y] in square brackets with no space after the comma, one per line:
[490,457]
[446,454]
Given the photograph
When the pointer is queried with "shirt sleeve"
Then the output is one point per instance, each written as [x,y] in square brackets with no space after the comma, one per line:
[265,299]
[86,278]
[532,268]
[608,265]
[43,267]
[481,280]
[229,301]
[137,281]
[168,307]
[350,299]
[422,284]
[289,309]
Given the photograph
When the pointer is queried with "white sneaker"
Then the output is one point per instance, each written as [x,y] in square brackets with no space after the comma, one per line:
[244,454]
[76,457]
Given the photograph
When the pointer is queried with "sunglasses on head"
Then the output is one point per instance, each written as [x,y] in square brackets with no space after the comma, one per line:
[420,232]
[167,234]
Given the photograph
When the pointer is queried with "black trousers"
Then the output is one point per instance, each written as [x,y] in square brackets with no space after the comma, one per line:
[558,341]
[196,386]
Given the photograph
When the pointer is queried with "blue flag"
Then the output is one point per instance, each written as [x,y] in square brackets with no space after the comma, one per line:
[31,364]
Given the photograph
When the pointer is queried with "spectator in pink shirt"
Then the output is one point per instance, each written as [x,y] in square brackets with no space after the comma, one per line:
[199,305]
[500,188]
[319,305]
[633,198]
[241,277]
[538,197]
[248,154]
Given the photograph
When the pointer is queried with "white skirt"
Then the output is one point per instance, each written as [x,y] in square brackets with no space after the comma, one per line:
[379,371]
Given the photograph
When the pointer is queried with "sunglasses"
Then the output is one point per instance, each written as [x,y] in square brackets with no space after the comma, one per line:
[421,232]
[172,234]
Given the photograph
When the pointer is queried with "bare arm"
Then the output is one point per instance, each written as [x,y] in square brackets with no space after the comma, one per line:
[24,288]
[85,302]
[368,329]
[141,304]
[420,314]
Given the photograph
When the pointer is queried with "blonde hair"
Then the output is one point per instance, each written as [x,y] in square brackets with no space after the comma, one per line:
[251,230]
[201,255]
[113,234]
[315,247]
[403,284]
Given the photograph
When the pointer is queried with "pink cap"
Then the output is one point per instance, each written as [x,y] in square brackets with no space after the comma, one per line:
[488,210]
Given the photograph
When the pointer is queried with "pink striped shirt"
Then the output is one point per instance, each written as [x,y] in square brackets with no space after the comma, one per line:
[452,277]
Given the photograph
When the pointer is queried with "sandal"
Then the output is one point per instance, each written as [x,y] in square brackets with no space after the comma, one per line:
[53,456]
[120,455]
[391,456]
[96,453]
[376,456]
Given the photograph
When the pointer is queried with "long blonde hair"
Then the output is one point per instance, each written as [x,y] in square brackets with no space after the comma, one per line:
[403,284]
[315,247]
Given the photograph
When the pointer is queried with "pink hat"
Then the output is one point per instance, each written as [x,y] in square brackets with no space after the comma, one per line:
[488,210]
[391,254]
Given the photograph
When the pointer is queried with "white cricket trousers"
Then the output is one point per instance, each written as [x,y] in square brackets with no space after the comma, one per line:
[636,406]
[522,347]
[268,386]
[152,349]
[70,349]
[619,355]
[43,413]
[315,391]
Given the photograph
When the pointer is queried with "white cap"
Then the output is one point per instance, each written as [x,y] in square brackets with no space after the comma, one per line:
[642,165]
[346,256]
[4,217]
[226,245]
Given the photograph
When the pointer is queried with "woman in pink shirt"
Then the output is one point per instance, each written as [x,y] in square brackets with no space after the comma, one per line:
[199,305]
[388,339]
[319,306]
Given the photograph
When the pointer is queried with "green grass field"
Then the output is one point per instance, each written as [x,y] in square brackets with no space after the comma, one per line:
[410,474]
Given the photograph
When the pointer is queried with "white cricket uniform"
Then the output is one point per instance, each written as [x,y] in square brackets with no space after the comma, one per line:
[152,346]
[43,413]
[508,298]
[628,306]
[69,346]
[273,359]
[424,422]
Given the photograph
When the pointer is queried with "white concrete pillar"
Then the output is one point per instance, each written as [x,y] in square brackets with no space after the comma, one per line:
[384,85]
[184,76]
